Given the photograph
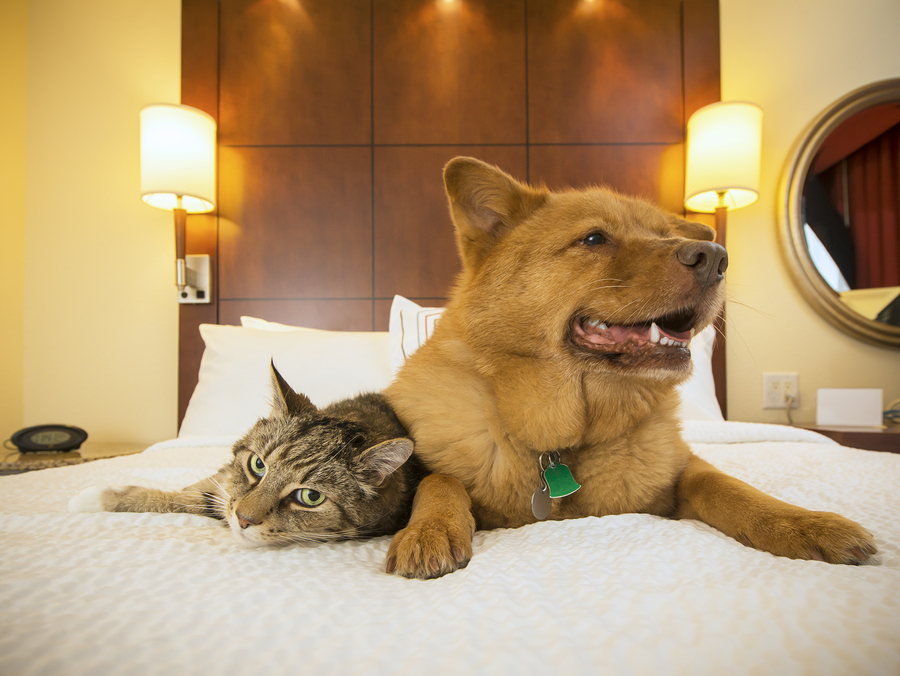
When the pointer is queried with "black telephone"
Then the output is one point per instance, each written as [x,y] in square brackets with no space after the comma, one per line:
[48,438]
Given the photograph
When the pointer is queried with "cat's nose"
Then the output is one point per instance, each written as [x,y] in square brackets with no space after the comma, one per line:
[244,522]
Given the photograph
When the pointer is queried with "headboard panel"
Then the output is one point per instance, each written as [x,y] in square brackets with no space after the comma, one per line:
[336,117]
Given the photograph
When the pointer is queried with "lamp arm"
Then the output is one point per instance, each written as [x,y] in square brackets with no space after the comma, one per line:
[721,217]
[180,224]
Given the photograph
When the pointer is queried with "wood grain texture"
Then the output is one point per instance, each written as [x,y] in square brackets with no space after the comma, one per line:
[719,366]
[701,87]
[701,55]
[886,440]
[415,246]
[199,88]
[654,172]
[200,55]
[295,222]
[449,72]
[604,72]
[295,72]
[334,315]
[337,116]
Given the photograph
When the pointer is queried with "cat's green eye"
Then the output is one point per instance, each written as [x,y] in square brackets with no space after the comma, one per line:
[309,498]
[256,466]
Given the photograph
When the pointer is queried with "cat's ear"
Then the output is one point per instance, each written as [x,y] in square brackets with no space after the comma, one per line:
[376,464]
[286,402]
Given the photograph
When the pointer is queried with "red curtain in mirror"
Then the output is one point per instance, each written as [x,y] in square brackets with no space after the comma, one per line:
[873,187]
[874,182]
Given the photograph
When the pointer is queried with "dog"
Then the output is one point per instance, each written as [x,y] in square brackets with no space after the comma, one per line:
[555,365]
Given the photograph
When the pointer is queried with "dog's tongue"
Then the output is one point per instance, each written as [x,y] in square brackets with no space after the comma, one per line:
[617,334]
[614,334]
[622,334]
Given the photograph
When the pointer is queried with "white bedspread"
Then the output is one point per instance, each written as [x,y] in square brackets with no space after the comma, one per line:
[162,594]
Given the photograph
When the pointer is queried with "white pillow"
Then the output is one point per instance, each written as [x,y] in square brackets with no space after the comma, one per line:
[698,393]
[411,325]
[256,323]
[234,387]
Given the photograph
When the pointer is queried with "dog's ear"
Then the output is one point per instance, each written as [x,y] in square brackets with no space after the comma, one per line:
[693,230]
[485,203]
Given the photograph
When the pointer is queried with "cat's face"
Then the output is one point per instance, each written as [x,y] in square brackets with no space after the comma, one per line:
[305,477]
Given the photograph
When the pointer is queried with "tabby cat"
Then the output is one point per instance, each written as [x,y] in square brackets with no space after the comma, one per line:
[301,475]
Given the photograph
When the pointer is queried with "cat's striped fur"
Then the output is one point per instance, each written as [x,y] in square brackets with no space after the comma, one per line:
[300,475]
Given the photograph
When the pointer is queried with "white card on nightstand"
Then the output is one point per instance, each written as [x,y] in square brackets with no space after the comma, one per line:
[850,407]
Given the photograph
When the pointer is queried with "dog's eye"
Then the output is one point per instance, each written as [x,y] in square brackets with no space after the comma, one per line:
[594,239]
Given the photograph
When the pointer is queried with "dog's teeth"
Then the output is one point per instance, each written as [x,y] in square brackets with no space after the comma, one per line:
[603,327]
[596,324]
[654,333]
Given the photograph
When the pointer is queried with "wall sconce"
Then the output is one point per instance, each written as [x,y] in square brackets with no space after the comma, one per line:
[723,155]
[178,173]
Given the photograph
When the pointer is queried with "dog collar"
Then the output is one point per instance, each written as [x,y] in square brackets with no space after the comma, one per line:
[556,482]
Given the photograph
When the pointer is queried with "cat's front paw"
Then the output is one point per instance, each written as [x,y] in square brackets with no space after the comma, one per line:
[429,549]
[95,499]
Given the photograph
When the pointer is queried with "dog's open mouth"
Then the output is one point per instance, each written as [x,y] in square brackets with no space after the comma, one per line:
[662,341]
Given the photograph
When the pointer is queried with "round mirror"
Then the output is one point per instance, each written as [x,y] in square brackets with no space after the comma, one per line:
[840,207]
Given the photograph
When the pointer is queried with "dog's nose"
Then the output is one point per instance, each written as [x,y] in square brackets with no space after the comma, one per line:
[707,259]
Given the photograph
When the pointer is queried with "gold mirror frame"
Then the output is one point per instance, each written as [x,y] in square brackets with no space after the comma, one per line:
[815,289]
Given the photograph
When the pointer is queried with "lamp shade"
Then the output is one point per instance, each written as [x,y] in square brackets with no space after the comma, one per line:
[178,158]
[723,154]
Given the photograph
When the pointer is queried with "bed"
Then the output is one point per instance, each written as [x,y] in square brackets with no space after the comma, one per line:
[330,202]
[632,594]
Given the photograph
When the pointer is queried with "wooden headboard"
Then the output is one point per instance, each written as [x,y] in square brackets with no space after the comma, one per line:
[335,118]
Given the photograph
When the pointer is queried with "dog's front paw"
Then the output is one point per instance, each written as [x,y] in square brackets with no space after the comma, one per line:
[429,549]
[818,536]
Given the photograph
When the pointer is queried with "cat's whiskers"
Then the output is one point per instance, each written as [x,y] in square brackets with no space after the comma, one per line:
[335,444]
[315,538]
[221,499]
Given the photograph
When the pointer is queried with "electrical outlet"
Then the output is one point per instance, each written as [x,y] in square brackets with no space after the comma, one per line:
[777,387]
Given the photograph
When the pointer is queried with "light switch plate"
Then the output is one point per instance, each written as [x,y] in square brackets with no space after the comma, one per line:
[199,280]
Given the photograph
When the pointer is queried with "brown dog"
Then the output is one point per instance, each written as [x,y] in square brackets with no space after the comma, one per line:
[562,344]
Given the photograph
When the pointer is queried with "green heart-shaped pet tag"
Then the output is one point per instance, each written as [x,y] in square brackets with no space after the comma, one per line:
[560,480]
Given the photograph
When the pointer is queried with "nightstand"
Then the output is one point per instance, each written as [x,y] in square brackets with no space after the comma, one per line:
[871,439]
[95,449]
[16,463]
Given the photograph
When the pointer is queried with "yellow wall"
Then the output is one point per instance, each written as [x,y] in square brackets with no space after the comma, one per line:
[100,317]
[13,55]
[794,59]
[97,309]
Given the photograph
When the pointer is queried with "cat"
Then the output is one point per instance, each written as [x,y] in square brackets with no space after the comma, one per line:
[300,475]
